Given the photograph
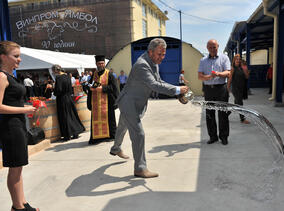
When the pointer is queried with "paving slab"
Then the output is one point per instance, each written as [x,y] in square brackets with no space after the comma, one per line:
[194,176]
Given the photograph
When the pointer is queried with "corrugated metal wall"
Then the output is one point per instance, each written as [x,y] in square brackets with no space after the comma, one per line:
[171,66]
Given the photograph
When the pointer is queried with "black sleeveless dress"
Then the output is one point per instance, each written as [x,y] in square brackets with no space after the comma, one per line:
[239,87]
[13,126]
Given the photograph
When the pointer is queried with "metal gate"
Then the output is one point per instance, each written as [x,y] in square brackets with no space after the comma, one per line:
[171,65]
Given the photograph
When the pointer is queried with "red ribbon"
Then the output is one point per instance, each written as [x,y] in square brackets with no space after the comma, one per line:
[38,104]
[76,98]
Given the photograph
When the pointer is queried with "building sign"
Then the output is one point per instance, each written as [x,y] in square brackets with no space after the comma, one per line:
[88,27]
[54,24]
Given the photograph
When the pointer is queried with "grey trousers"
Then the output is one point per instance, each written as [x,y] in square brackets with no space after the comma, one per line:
[137,136]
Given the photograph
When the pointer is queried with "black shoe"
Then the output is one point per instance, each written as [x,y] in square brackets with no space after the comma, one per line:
[211,141]
[75,136]
[29,208]
[94,142]
[224,141]
[91,142]
[65,138]
[109,140]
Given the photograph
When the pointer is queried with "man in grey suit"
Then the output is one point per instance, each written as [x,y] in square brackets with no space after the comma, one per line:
[132,102]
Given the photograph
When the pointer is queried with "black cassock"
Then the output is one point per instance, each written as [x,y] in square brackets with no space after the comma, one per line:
[112,93]
[67,115]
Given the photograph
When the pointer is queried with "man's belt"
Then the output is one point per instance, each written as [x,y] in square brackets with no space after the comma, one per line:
[214,85]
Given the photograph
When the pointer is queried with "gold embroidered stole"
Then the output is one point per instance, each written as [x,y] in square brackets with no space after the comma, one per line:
[100,126]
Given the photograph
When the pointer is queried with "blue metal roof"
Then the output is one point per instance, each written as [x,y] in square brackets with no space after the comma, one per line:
[261,29]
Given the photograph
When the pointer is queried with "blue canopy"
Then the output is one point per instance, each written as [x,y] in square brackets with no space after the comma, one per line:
[5,31]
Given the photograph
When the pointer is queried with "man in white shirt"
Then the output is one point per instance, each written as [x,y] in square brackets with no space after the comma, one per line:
[84,82]
[73,80]
[29,84]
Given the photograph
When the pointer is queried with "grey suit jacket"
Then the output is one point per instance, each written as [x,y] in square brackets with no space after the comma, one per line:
[144,78]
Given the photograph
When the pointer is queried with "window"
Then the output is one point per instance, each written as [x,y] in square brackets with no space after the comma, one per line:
[160,23]
[144,10]
[160,32]
[144,28]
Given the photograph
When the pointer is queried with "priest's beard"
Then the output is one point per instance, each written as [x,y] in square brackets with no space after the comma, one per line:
[101,69]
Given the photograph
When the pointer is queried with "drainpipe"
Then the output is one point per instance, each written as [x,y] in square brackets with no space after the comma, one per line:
[275,45]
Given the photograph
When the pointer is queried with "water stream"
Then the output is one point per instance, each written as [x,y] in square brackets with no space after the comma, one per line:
[263,123]
[267,186]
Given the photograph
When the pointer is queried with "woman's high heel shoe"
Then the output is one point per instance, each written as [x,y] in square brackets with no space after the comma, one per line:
[24,209]
[29,208]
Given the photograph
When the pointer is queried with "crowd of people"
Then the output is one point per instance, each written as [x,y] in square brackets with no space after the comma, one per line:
[103,97]
[36,87]
[44,86]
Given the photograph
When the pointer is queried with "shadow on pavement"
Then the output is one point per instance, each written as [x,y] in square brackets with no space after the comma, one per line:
[68,145]
[239,176]
[86,185]
[175,148]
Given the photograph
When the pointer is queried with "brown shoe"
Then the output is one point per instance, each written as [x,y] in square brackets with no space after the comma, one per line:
[120,154]
[145,174]
[245,122]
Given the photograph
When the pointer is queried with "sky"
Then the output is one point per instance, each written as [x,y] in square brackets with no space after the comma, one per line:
[197,31]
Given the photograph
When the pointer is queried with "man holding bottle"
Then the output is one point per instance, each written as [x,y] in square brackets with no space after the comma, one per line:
[214,70]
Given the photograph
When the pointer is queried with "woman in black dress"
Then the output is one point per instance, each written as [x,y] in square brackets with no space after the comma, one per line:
[12,123]
[238,78]
[69,122]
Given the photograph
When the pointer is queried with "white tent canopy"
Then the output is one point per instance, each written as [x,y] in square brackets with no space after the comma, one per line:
[35,59]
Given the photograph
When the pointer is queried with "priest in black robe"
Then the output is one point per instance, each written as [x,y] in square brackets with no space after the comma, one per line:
[101,101]
[68,119]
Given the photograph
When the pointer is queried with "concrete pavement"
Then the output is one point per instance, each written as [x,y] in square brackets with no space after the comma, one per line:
[194,176]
